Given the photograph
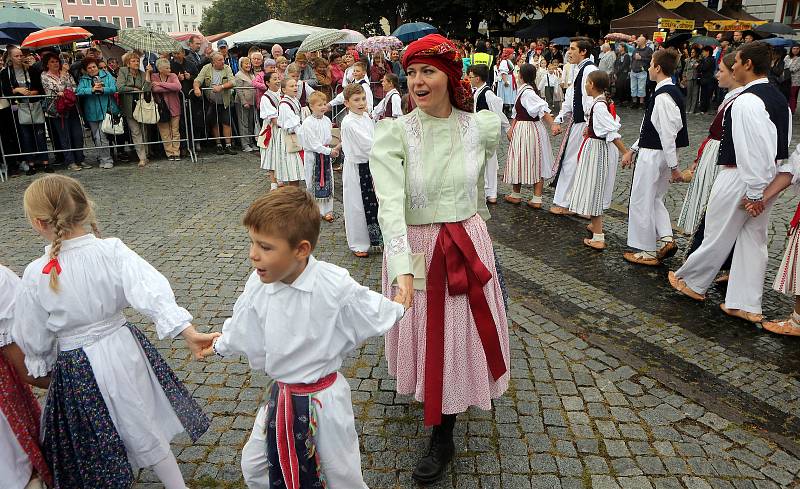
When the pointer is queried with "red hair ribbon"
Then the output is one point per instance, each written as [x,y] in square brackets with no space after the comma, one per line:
[53,263]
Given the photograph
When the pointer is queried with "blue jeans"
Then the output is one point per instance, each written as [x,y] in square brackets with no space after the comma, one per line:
[638,83]
[69,132]
[33,142]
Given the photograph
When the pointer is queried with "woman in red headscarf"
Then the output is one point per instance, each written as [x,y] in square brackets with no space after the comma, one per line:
[451,349]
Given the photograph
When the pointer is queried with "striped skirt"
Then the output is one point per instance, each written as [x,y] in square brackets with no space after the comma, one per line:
[530,157]
[700,187]
[268,156]
[591,177]
[288,166]
[787,280]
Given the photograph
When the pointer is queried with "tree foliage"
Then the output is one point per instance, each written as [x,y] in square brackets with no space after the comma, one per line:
[603,12]
[235,15]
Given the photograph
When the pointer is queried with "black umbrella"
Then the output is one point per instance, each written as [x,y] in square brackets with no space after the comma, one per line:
[676,40]
[18,30]
[100,30]
[774,28]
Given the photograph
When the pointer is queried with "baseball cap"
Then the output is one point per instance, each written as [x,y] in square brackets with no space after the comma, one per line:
[222,44]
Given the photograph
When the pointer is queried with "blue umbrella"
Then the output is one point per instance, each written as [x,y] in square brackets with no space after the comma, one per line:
[5,39]
[560,41]
[18,31]
[413,31]
[779,42]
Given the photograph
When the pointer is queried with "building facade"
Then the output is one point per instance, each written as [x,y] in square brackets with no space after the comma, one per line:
[49,7]
[172,15]
[120,12]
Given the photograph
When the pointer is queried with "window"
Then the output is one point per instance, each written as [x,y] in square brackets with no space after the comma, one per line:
[51,12]
[167,9]
[86,2]
[116,21]
[147,24]
[147,7]
[103,18]
[129,22]
[73,18]
[156,8]
[126,3]
[100,2]
[88,17]
[185,27]
[113,3]
[191,9]
[194,27]
[71,2]
[183,9]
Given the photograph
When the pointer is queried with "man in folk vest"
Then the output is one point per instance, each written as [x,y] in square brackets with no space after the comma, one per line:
[485,99]
[755,144]
[574,101]
[663,132]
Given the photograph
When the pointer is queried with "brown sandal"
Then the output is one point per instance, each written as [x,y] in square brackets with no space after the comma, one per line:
[680,285]
[596,245]
[328,217]
[534,205]
[786,327]
[738,313]
[361,254]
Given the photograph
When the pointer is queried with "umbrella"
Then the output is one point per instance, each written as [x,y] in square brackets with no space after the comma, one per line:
[676,40]
[351,37]
[98,29]
[413,31]
[55,36]
[5,39]
[779,42]
[17,13]
[317,41]
[560,41]
[703,41]
[379,43]
[774,28]
[145,40]
[18,31]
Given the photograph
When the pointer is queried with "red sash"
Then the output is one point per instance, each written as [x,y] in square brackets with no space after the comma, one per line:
[284,423]
[795,219]
[455,269]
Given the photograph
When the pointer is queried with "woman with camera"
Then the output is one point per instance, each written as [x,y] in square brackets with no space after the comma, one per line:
[96,87]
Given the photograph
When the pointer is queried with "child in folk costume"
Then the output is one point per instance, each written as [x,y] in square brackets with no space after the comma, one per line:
[297,320]
[268,111]
[485,99]
[288,152]
[316,138]
[597,160]
[113,404]
[550,86]
[787,280]
[705,168]
[391,106]
[360,204]
[505,81]
[530,157]
[360,78]
[572,109]
[21,460]
[662,133]
[303,88]
[755,144]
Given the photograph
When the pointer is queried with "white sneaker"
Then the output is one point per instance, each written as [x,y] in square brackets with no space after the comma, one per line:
[107,166]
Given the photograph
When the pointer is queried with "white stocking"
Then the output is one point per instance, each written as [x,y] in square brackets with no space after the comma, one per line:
[169,474]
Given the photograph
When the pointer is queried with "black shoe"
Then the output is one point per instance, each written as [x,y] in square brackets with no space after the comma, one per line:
[229,149]
[220,150]
[30,171]
[432,467]
[48,169]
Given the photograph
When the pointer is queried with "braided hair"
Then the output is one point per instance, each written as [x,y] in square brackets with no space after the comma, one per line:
[60,203]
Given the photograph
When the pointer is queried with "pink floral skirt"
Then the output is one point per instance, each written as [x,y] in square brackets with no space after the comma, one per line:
[467,380]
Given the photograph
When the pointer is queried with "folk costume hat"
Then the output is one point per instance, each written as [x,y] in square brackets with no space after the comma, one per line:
[438,51]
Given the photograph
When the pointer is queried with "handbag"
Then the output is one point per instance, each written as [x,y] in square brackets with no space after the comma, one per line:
[112,124]
[146,110]
[164,114]
[292,144]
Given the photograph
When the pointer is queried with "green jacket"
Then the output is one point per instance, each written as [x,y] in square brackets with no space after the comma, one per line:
[128,82]
[204,78]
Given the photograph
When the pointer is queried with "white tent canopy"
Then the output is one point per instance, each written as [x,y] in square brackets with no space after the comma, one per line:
[273,31]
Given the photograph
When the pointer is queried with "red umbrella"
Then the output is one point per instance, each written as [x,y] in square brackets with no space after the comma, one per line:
[54,36]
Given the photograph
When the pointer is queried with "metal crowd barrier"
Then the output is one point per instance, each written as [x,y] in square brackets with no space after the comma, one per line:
[207,116]
[43,147]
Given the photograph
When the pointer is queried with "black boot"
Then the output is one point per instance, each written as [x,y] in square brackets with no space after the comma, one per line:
[432,467]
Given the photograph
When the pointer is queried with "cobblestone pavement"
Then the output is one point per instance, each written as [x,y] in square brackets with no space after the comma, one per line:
[616,382]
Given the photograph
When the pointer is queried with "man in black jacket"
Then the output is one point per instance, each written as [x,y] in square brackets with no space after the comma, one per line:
[705,73]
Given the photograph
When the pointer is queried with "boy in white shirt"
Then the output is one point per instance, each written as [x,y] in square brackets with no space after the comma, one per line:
[318,150]
[360,77]
[360,203]
[297,320]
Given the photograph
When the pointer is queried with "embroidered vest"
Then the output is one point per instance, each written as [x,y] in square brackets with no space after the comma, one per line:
[521,112]
[480,99]
[648,137]
[590,123]
[577,97]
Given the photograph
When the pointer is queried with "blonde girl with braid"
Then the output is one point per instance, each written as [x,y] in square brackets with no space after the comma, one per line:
[114,404]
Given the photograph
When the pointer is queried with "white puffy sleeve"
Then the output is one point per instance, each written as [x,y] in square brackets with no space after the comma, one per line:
[150,293]
[9,287]
[534,104]
[311,136]
[287,119]
[604,124]
[244,332]
[29,330]
[267,110]
[364,313]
